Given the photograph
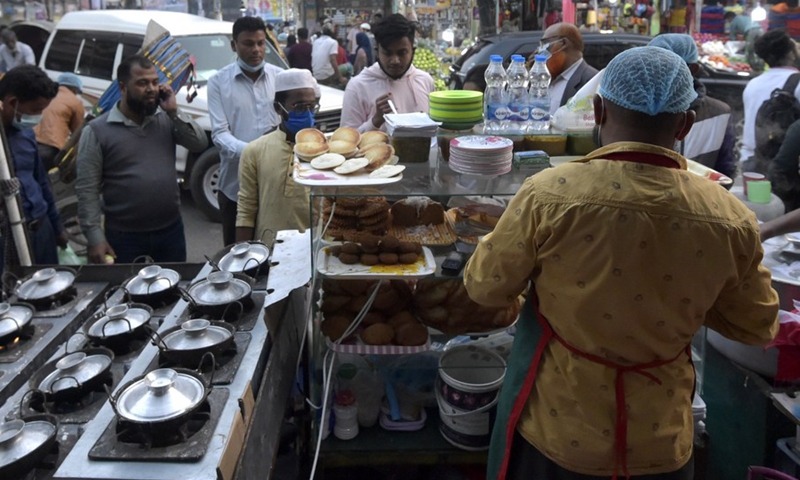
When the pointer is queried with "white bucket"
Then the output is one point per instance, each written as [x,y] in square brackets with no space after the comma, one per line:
[467,391]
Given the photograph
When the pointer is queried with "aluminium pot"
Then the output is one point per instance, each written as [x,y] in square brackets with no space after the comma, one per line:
[70,377]
[152,285]
[24,442]
[250,258]
[220,294]
[161,400]
[14,317]
[118,325]
[187,343]
[46,286]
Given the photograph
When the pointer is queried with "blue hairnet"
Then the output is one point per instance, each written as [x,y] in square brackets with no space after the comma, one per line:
[70,80]
[678,43]
[649,80]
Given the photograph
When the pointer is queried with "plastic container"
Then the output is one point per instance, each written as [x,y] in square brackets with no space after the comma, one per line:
[539,95]
[412,149]
[553,144]
[495,101]
[518,102]
[346,416]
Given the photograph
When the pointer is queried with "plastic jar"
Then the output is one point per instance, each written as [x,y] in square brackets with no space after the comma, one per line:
[346,412]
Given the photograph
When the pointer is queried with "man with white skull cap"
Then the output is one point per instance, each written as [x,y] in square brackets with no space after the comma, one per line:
[629,254]
[269,199]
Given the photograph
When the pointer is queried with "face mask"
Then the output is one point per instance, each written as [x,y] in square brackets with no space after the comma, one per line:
[249,68]
[25,121]
[299,121]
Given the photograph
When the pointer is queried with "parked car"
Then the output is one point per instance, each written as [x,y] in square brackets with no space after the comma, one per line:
[599,49]
[91,44]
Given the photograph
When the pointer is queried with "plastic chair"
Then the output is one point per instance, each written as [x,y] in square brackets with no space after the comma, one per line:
[754,473]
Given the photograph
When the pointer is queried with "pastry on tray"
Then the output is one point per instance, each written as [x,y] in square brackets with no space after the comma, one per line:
[416,211]
[354,215]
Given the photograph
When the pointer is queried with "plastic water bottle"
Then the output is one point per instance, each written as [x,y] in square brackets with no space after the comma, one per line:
[518,104]
[539,93]
[495,104]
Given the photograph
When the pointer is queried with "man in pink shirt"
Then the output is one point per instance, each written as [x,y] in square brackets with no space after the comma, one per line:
[366,98]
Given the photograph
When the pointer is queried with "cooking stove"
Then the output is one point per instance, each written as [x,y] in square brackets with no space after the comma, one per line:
[226,364]
[46,331]
[242,320]
[124,441]
[66,437]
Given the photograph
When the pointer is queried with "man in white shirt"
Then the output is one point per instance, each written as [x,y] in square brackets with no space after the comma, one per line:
[14,53]
[781,53]
[323,58]
[563,44]
[240,98]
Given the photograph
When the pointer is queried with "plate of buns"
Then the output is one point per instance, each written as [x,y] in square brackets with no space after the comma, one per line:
[375,257]
[346,158]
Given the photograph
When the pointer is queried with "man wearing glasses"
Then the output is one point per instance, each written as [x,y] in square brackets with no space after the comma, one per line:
[269,199]
[563,44]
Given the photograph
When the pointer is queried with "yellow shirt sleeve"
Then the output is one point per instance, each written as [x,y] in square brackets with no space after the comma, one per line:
[504,260]
[247,204]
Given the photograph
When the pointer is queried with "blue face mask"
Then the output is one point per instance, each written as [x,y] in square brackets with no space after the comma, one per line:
[299,121]
[25,121]
[249,68]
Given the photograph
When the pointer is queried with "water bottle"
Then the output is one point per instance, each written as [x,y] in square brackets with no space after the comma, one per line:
[539,94]
[518,104]
[495,105]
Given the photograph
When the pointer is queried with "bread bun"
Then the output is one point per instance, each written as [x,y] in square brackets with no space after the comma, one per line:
[347,134]
[378,334]
[411,334]
[351,166]
[309,135]
[326,161]
[343,147]
[401,319]
[387,171]
[335,327]
[372,138]
[378,156]
[310,150]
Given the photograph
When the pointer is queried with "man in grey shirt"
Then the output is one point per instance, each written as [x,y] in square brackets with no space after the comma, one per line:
[14,53]
[126,170]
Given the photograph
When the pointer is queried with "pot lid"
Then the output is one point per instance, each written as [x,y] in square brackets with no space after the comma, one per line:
[45,283]
[74,370]
[161,395]
[244,256]
[152,279]
[13,318]
[118,320]
[19,438]
[194,334]
[220,288]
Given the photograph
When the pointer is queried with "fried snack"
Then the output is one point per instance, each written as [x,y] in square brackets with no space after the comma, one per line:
[389,244]
[333,287]
[378,334]
[351,166]
[326,161]
[371,318]
[347,134]
[335,250]
[333,303]
[411,334]
[348,258]
[351,247]
[409,247]
[369,243]
[369,259]
[373,138]
[343,147]
[385,299]
[309,150]
[335,327]
[310,135]
[401,319]
[415,211]
[388,258]
[354,287]
[378,156]
[408,258]
[357,303]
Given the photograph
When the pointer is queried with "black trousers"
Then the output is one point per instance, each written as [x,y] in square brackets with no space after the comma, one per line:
[227,210]
[48,155]
[527,463]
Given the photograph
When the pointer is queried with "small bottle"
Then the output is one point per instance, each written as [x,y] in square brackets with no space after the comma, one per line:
[539,94]
[345,409]
[495,106]
[518,104]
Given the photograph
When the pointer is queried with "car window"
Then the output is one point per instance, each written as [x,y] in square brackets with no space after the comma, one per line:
[98,55]
[131,44]
[599,55]
[212,52]
[63,51]
[527,49]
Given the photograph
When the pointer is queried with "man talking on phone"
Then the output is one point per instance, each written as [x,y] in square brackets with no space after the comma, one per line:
[127,156]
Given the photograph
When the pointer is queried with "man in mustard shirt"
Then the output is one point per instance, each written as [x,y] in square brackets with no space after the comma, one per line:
[269,199]
[629,255]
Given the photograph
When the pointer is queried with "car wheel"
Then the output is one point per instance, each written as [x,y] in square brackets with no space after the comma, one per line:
[204,182]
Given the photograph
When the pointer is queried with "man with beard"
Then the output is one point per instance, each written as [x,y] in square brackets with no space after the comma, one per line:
[366,99]
[240,106]
[563,44]
[127,156]
[269,199]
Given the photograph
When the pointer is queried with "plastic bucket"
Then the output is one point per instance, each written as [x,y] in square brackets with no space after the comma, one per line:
[467,391]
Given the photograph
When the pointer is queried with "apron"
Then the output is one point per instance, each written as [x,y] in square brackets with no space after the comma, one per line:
[523,365]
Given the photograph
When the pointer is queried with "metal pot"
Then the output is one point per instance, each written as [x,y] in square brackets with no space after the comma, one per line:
[118,325]
[24,442]
[14,317]
[220,293]
[187,343]
[162,399]
[46,286]
[71,376]
[152,285]
[250,258]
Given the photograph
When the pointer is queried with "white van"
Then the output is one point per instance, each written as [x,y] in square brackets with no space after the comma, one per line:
[92,43]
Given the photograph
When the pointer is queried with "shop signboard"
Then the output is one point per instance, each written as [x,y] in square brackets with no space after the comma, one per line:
[180,6]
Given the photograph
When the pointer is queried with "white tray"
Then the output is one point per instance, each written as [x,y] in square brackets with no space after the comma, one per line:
[302,174]
[330,266]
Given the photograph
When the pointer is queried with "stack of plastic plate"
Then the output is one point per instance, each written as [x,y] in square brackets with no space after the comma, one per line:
[481,155]
[456,109]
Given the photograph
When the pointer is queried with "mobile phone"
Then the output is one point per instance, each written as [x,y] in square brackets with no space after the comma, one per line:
[453,263]
[163,94]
